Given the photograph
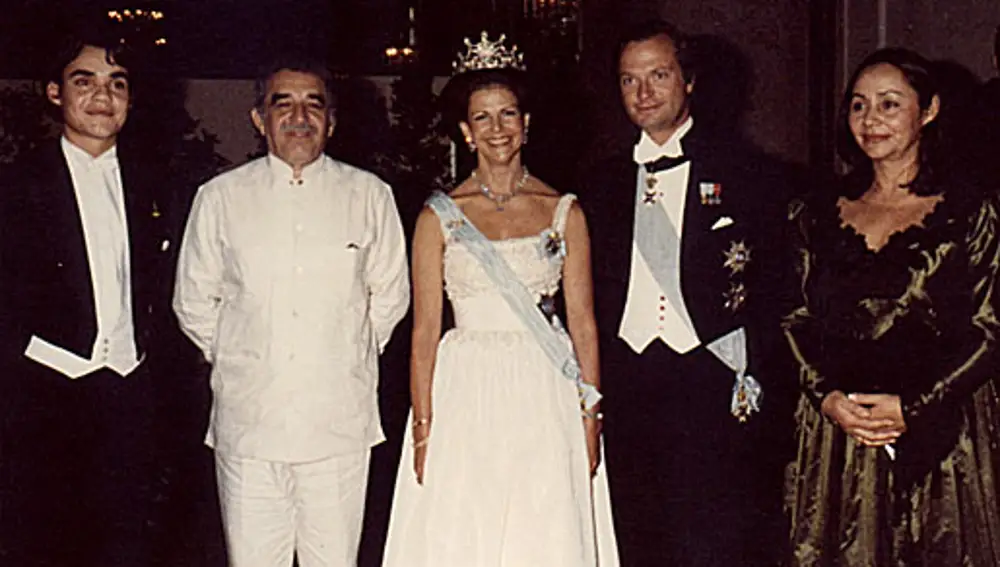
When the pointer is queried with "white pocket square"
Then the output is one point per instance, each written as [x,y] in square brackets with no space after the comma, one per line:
[722,223]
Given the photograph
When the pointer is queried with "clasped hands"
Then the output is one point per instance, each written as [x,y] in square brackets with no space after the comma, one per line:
[875,420]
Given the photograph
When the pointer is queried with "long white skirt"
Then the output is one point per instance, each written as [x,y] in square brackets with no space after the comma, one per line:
[506,482]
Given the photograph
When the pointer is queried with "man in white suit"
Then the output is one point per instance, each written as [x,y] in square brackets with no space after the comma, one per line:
[292,276]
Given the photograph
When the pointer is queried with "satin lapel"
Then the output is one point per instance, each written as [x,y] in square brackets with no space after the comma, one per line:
[64,232]
[621,215]
[137,215]
[610,206]
[698,257]
[693,217]
[134,210]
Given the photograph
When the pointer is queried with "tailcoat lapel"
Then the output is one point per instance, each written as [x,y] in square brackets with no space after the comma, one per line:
[619,215]
[51,292]
[148,242]
[58,224]
[705,280]
[608,199]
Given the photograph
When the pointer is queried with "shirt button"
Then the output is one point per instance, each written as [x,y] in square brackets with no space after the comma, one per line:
[295,314]
[298,228]
[663,298]
[298,270]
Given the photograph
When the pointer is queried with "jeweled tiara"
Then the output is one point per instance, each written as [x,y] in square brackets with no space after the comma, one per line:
[488,54]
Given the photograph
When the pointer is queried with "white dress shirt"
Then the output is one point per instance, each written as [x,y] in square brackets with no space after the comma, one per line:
[649,315]
[291,288]
[98,188]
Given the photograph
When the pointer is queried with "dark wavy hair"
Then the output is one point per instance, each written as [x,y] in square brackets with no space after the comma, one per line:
[90,33]
[919,74]
[456,94]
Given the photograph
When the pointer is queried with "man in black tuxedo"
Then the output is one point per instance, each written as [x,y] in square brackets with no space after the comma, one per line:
[682,239]
[85,272]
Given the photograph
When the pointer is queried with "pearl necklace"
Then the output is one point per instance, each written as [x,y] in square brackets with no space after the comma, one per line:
[501,199]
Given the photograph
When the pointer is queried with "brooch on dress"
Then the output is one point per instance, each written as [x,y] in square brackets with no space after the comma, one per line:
[553,244]
[737,257]
[452,226]
[711,193]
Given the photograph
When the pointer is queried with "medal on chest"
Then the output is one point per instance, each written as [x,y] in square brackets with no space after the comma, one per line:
[737,257]
[650,195]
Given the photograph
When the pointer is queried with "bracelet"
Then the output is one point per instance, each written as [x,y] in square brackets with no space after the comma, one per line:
[422,443]
[421,421]
[596,415]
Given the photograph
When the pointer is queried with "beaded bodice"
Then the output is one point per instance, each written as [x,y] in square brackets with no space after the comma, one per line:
[536,260]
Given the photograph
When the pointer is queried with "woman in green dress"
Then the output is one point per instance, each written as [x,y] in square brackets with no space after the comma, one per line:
[895,335]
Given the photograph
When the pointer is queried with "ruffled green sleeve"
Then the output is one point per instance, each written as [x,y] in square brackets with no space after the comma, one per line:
[800,327]
[979,362]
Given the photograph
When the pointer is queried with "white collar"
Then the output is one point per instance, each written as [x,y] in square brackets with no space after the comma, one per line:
[648,150]
[78,157]
[283,173]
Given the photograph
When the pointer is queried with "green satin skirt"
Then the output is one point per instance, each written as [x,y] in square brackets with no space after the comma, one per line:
[847,508]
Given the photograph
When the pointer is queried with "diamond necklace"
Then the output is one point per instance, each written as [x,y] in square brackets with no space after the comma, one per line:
[501,199]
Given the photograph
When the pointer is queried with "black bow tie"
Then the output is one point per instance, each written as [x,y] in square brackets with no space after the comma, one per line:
[664,163]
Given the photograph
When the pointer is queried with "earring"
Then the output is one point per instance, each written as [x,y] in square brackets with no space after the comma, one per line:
[524,137]
[472,145]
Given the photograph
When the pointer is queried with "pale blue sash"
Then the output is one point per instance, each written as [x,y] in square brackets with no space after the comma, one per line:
[552,339]
[731,349]
[658,243]
[660,247]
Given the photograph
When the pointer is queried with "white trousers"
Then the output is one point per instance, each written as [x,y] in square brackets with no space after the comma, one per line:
[272,511]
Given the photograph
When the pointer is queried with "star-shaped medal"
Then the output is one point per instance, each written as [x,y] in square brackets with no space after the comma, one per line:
[735,296]
[737,257]
[649,196]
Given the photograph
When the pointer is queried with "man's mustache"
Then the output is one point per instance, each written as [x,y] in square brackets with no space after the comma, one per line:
[302,128]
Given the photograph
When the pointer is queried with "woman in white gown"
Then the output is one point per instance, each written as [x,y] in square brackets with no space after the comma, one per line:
[500,465]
